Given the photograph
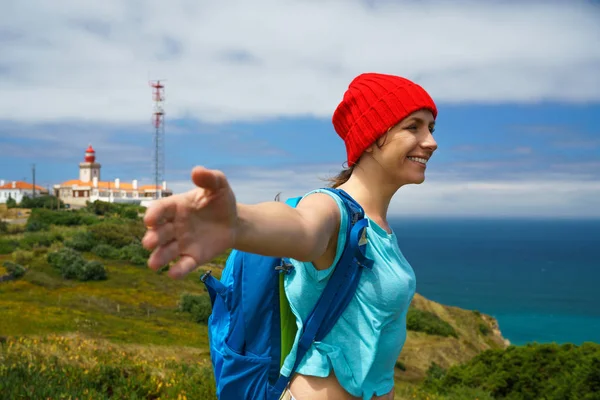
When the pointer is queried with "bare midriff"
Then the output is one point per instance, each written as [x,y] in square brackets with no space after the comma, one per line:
[304,387]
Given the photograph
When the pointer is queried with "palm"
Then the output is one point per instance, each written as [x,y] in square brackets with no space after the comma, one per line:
[194,227]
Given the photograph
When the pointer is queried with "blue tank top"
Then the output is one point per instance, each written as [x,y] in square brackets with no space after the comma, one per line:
[363,346]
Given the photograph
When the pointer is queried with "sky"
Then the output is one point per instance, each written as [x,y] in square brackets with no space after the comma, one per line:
[251,87]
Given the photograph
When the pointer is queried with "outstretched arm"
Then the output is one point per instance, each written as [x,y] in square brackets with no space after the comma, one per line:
[198,225]
[275,229]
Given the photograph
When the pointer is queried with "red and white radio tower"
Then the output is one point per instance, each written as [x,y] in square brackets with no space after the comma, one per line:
[158,120]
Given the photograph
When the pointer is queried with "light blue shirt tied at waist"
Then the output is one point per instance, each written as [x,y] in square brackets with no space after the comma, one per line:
[363,346]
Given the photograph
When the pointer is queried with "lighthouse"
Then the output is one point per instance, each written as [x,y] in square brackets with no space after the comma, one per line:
[89,168]
[89,187]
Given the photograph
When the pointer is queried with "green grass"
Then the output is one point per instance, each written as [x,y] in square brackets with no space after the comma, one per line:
[408,391]
[74,366]
[123,337]
[134,305]
[425,321]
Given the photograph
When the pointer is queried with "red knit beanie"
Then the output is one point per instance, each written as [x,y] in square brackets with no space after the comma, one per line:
[373,104]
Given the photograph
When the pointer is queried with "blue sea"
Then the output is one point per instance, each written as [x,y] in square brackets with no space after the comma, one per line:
[539,278]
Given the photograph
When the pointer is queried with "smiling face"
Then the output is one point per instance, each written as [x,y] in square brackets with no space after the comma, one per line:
[404,151]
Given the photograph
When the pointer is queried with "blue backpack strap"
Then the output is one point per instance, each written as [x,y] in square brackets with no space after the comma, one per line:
[339,289]
[293,202]
[214,287]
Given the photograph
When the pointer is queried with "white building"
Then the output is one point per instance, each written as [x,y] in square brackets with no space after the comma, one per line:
[90,187]
[18,189]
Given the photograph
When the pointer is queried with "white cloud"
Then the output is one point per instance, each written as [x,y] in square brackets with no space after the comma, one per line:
[237,59]
[442,195]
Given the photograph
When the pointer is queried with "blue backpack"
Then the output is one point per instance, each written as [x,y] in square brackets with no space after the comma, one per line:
[251,318]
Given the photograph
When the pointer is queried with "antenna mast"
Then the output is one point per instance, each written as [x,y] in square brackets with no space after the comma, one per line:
[33,172]
[158,120]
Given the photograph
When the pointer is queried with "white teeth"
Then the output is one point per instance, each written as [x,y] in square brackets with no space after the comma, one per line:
[417,159]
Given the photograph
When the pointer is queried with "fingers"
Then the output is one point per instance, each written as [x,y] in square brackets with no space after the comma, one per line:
[208,179]
[159,235]
[163,255]
[160,211]
[184,266]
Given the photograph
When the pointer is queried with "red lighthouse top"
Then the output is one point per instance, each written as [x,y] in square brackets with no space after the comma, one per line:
[90,154]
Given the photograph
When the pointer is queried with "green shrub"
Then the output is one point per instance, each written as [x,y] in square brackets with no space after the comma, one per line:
[3,226]
[39,239]
[484,329]
[72,265]
[135,254]
[62,257]
[138,260]
[117,234]
[99,207]
[14,269]
[88,219]
[81,241]
[201,311]
[11,203]
[106,251]
[43,201]
[71,270]
[91,271]
[7,246]
[36,226]
[433,379]
[55,217]
[533,371]
[427,322]
[199,306]
[129,213]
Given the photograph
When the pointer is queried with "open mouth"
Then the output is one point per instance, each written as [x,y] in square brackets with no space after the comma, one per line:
[418,160]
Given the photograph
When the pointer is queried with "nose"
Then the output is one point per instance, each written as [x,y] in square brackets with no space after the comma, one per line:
[429,142]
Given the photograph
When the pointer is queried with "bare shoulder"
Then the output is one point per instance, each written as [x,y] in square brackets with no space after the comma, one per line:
[319,205]
[321,215]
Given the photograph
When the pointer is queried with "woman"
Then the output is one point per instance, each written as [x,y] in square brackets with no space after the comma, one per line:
[386,123]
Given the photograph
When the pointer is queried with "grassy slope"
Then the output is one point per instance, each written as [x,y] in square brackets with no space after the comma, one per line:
[135,305]
[422,349]
[136,311]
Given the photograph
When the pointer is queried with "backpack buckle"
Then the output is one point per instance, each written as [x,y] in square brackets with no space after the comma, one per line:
[285,267]
[205,276]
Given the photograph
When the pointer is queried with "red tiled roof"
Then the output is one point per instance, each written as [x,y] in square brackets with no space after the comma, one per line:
[109,185]
[22,186]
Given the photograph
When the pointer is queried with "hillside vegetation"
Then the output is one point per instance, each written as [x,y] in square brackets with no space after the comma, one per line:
[83,317]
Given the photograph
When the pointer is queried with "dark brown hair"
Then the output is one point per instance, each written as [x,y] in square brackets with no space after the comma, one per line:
[345,174]
[342,177]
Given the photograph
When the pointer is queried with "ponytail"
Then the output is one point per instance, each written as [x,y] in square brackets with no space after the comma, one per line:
[342,177]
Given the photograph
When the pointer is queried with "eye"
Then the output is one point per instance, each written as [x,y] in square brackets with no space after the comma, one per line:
[412,127]
[432,129]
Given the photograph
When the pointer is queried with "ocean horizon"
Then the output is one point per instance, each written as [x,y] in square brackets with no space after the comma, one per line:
[538,277]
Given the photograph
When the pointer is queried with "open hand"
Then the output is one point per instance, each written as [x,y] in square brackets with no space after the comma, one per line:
[195,226]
